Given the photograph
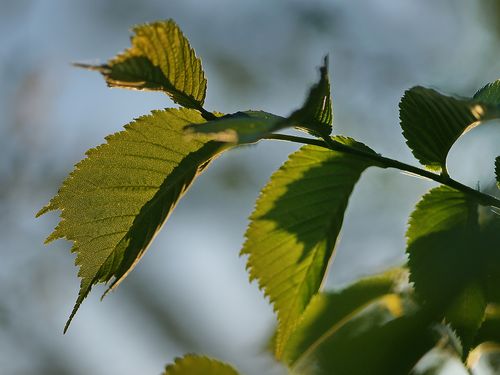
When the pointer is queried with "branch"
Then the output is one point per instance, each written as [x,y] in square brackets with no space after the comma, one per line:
[383,162]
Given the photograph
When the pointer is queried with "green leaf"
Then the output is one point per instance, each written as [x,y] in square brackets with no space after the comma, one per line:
[446,258]
[490,329]
[377,340]
[192,364]
[490,93]
[294,228]
[160,59]
[497,170]
[117,199]
[329,312]
[432,122]
[316,115]
[239,128]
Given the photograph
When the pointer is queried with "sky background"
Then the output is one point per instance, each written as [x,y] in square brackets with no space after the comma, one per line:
[191,293]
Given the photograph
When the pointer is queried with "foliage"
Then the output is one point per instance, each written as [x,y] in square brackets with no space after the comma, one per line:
[446,296]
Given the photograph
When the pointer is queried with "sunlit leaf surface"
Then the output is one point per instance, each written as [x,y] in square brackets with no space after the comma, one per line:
[316,115]
[240,127]
[295,225]
[116,199]
[159,59]
[198,365]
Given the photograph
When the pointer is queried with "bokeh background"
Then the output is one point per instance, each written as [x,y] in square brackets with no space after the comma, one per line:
[191,292]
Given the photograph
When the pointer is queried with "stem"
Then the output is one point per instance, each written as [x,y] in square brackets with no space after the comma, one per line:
[209,116]
[383,162]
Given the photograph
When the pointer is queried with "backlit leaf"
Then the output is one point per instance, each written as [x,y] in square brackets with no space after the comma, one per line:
[294,228]
[489,94]
[380,339]
[316,115]
[117,199]
[432,122]
[192,364]
[329,312]
[446,258]
[240,127]
[160,59]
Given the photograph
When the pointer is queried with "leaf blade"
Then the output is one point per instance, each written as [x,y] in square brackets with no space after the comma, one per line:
[192,364]
[448,278]
[432,122]
[497,170]
[290,243]
[160,59]
[389,339]
[316,114]
[328,312]
[490,93]
[117,199]
[238,128]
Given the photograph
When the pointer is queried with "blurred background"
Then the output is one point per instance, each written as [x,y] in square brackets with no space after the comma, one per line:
[191,292]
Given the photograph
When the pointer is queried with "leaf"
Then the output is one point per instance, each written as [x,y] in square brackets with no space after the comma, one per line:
[490,93]
[117,199]
[329,312]
[238,128]
[432,122]
[160,59]
[293,230]
[316,115]
[192,364]
[497,170]
[446,258]
[378,340]
[490,329]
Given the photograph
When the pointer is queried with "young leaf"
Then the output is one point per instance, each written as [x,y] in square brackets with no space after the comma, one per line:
[432,122]
[329,312]
[192,364]
[239,128]
[377,340]
[490,93]
[160,59]
[293,230]
[445,258]
[116,199]
[316,115]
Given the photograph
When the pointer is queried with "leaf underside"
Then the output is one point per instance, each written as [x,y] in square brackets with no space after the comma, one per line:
[450,255]
[238,128]
[432,122]
[376,336]
[316,115]
[294,227]
[160,59]
[116,200]
[328,312]
[192,364]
